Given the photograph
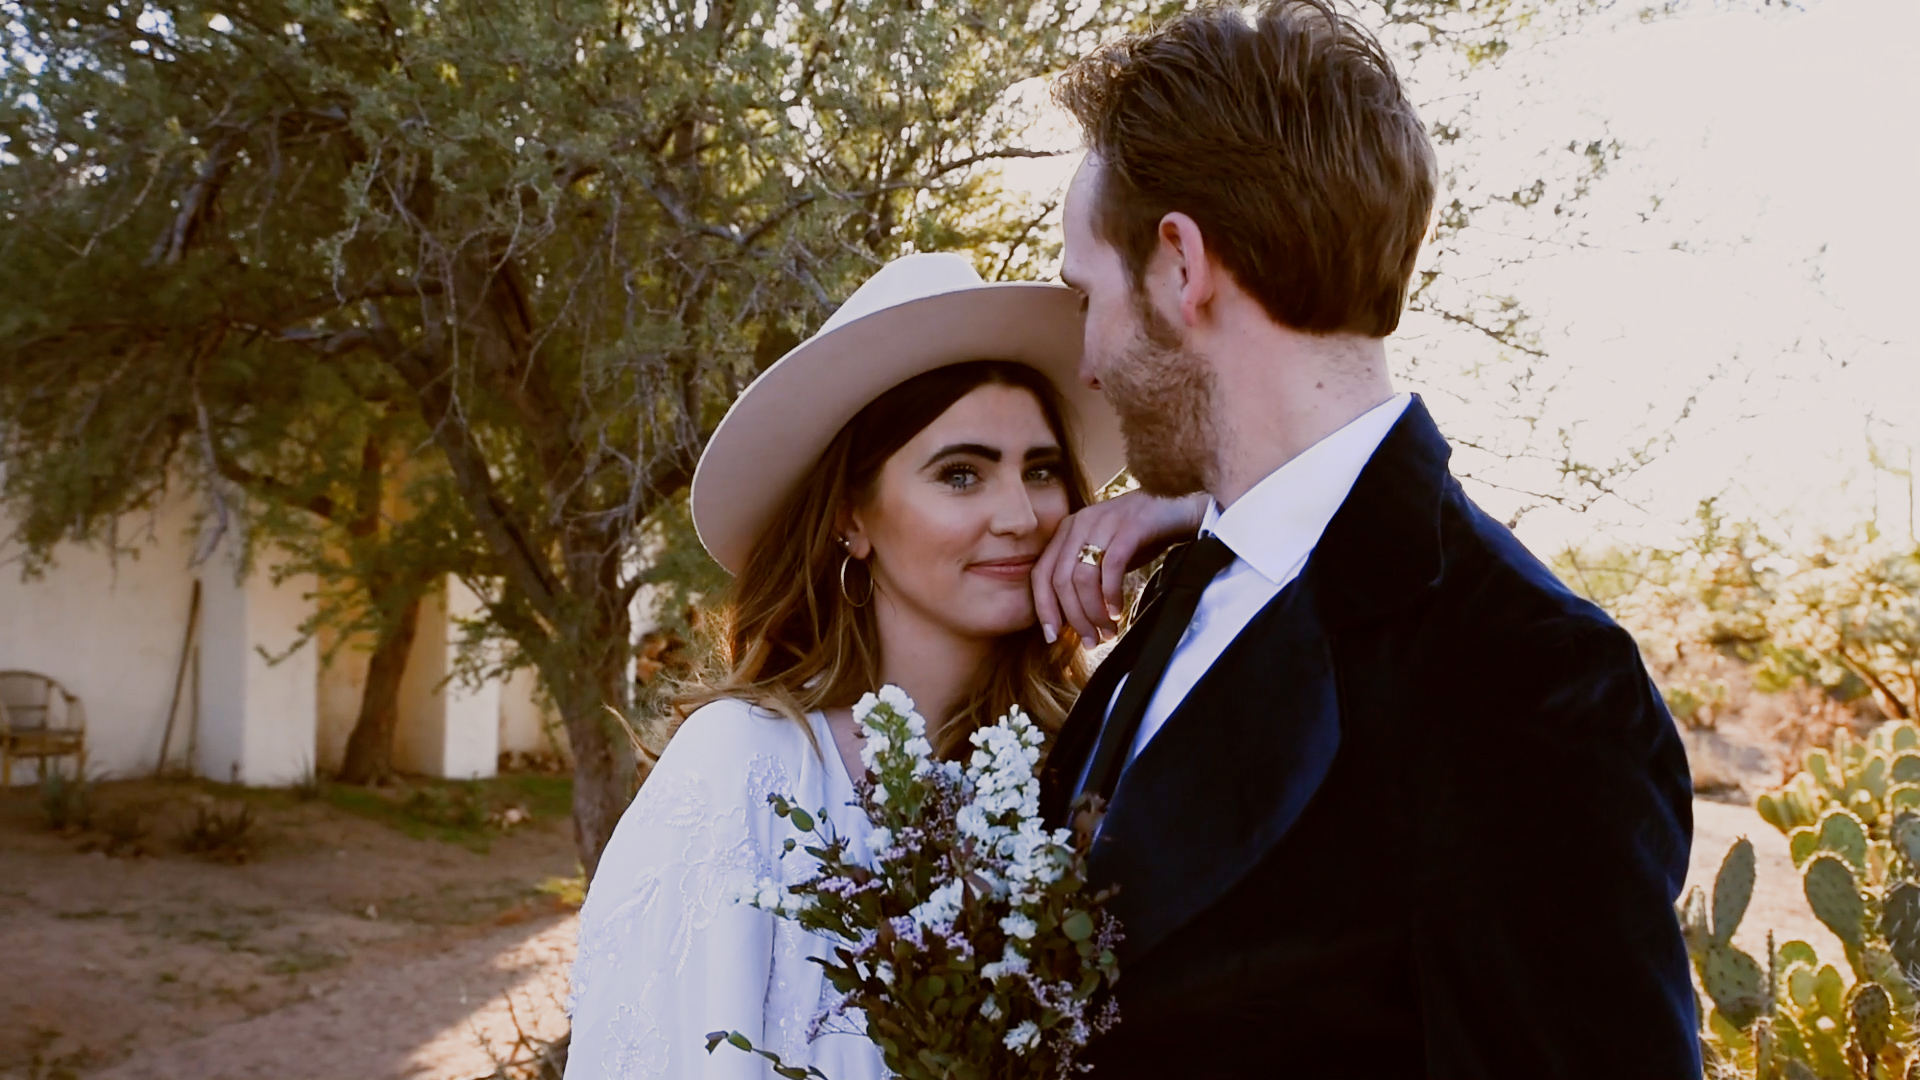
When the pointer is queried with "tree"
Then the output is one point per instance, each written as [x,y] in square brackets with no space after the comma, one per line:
[560,240]
[542,246]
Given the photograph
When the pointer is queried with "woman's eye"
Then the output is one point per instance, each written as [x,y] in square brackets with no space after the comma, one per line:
[1043,474]
[959,477]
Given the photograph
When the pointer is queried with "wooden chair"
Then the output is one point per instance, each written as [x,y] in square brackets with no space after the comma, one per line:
[39,719]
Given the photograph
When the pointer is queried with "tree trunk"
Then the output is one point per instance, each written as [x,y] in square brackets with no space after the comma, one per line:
[369,758]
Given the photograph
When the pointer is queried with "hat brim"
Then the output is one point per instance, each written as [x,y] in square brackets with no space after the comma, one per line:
[780,425]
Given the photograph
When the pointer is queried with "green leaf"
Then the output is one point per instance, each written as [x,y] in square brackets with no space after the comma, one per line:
[1078,926]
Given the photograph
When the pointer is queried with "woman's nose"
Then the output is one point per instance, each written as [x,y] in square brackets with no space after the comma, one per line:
[1014,514]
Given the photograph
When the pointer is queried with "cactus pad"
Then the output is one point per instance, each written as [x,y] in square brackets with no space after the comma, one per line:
[1798,951]
[1904,737]
[1906,768]
[1834,895]
[1732,890]
[1772,812]
[1799,984]
[1905,834]
[1873,775]
[1821,766]
[1735,983]
[1842,834]
[1903,797]
[1802,843]
[1869,1019]
[1900,925]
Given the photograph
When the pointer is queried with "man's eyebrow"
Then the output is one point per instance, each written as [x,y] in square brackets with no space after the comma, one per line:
[979,450]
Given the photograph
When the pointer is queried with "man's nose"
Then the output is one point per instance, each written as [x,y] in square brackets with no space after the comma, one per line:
[1086,372]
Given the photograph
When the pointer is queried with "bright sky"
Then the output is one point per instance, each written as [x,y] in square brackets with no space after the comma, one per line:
[1772,285]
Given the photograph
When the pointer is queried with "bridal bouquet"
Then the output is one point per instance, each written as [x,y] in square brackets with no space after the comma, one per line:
[966,935]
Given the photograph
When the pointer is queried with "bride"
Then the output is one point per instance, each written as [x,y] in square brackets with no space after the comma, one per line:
[882,495]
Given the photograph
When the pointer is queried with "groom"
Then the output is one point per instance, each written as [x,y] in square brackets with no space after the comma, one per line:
[1382,797]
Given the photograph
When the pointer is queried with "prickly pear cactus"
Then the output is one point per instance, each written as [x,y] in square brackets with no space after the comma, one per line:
[1844,835]
[1900,925]
[1732,890]
[1834,894]
[1869,1028]
[1906,836]
[1852,822]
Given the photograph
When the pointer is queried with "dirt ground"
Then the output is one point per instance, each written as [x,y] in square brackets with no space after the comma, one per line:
[364,938]
[340,948]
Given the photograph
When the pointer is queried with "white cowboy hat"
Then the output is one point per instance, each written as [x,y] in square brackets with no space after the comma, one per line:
[918,313]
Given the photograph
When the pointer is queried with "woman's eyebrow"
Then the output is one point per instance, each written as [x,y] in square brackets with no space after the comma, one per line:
[1042,453]
[979,450]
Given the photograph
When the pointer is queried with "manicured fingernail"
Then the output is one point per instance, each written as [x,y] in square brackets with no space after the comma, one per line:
[1114,614]
[1052,635]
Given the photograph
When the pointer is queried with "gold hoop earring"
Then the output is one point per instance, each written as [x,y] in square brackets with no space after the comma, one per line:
[848,593]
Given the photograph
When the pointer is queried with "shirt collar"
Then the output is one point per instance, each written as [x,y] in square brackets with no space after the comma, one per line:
[1275,525]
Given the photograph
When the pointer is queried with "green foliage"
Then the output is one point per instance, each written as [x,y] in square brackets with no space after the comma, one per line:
[1841,616]
[467,285]
[1855,842]
[222,833]
[470,813]
[66,802]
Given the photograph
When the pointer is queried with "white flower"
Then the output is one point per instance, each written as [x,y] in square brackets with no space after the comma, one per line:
[1011,963]
[941,906]
[990,1009]
[879,840]
[972,822]
[1024,1037]
[902,704]
[1018,926]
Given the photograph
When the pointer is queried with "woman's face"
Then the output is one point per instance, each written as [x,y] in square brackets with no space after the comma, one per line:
[958,515]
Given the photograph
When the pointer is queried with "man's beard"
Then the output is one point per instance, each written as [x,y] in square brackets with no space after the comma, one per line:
[1164,395]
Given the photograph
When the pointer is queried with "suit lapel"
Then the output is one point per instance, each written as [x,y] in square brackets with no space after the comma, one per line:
[1081,730]
[1238,762]
[1226,777]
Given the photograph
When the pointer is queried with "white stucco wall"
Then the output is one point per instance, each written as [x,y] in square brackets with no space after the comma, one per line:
[110,629]
[258,720]
[527,724]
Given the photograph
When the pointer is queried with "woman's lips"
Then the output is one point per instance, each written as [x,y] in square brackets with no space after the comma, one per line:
[1005,569]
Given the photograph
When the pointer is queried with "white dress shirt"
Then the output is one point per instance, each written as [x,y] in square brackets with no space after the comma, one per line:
[1271,531]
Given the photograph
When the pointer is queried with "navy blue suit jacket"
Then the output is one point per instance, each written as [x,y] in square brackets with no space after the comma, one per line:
[1426,816]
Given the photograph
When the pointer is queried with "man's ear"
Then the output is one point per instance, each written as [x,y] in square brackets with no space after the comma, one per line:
[1195,275]
[846,525]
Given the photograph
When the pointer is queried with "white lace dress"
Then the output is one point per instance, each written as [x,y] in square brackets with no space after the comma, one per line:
[667,955]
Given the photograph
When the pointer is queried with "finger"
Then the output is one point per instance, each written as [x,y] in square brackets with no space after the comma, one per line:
[1065,572]
[1046,604]
[1113,571]
[1087,583]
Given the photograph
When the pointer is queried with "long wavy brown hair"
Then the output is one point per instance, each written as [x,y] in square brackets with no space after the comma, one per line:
[788,640]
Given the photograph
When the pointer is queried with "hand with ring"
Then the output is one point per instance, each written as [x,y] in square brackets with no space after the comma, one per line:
[1079,578]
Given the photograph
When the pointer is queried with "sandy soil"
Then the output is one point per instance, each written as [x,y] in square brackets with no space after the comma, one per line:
[341,948]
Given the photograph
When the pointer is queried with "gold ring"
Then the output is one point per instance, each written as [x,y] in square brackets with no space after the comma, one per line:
[1091,553]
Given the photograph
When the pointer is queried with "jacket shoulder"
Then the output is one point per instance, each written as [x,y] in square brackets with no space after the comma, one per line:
[1504,588]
